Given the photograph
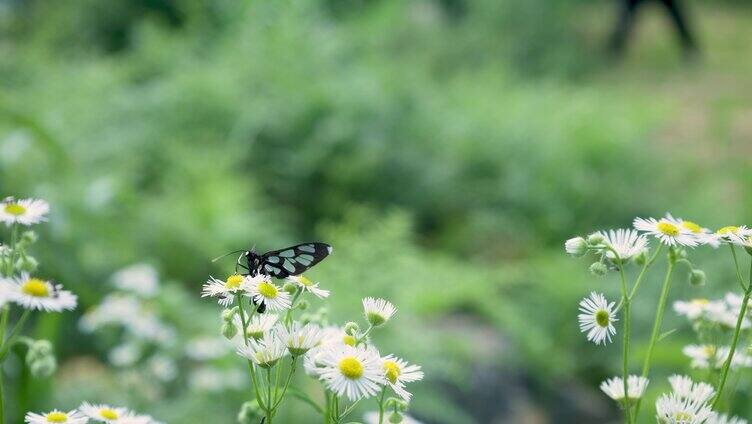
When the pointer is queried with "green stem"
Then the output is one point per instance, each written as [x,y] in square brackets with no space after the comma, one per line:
[737,331]
[328,410]
[2,403]
[658,321]
[644,269]
[13,333]
[381,406]
[251,368]
[625,354]
[269,414]
[287,383]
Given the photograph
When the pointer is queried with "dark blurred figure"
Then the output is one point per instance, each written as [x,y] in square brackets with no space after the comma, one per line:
[627,13]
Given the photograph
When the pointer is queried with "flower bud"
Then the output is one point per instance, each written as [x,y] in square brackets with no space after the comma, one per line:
[595,238]
[641,258]
[39,349]
[229,314]
[27,264]
[598,269]
[44,367]
[303,305]
[29,237]
[697,277]
[290,287]
[576,247]
[395,418]
[229,330]
[249,413]
[351,328]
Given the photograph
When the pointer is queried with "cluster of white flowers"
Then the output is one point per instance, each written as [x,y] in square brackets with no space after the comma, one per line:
[87,412]
[689,402]
[342,359]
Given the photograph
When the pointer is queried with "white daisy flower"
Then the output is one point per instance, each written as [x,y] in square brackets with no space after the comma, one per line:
[597,318]
[41,295]
[70,417]
[727,316]
[141,279]
[23,211]
[206,348]
[684,387]
[378,311]
[738,235]
[701,355]
[299,339]
[674,409]
[309,286]
[725,419]
[627,243]
[614,387]
[697,308]
[103,413]
[265,352]
[355,372]
[702,234]
[398,372]
[224,290]
[259,325]
[740,359]
[264,291]
[669,232]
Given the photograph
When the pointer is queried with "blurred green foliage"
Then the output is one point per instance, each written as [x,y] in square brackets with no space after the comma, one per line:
[445,148]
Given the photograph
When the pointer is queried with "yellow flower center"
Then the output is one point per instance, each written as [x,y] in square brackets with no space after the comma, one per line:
[392,371]
[709,350]
[683,417]
[35,287]
[305,281]
[108,413]
[729,229]
[668,228]
[233,282]
[700,302]
[691,226]
[15,209]
[268,290]
[351,368]
[57,417]
[602,318]
[349,340]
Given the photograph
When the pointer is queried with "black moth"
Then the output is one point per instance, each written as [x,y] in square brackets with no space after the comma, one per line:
[285,262]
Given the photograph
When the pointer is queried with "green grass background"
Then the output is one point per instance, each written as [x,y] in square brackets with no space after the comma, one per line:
[445,148]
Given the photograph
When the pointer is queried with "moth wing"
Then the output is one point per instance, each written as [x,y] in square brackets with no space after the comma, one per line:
[293,260]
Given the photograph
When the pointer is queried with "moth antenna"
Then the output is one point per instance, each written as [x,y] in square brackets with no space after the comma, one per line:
[226,255]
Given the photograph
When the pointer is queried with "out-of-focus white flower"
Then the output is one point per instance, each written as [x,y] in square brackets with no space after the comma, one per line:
[684,387]
[128,312]
[214,380]
[162,367]
[597,318]
[124,355]
[614,387]
[725,419]
[55,416]
[37,294]
[23,211]
[206,348]
[103,413]
[141,279]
